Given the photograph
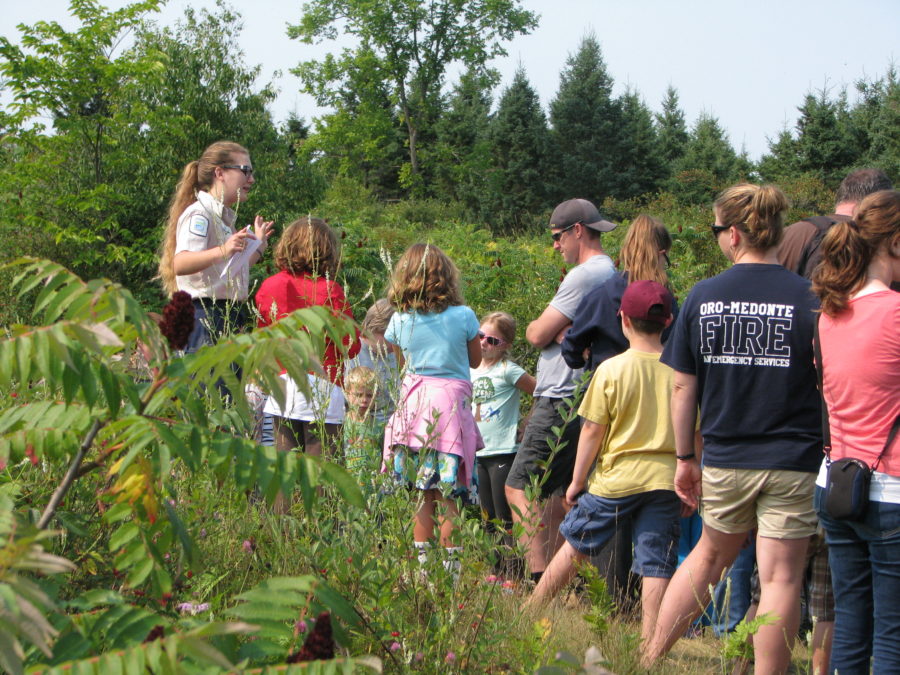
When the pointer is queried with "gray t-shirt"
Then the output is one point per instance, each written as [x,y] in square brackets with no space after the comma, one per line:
[554,377]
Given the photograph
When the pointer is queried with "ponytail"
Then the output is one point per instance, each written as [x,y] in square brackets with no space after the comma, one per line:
[756,210]
[639,256]
[184,195]
[197,175]
[849,248]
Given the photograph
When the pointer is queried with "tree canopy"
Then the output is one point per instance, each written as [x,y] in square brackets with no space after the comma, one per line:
[410,45]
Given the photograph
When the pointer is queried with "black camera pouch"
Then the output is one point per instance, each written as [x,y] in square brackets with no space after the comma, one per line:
[847,489]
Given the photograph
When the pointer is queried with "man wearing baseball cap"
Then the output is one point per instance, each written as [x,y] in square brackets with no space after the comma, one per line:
[575,228]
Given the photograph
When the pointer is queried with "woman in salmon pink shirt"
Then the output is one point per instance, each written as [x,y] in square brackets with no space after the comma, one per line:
[307,255]
[860,337]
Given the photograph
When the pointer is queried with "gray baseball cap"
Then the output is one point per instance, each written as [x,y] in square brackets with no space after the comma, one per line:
[579,211]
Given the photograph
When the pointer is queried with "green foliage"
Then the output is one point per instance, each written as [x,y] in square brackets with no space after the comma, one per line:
[463,153]
[60,180]
[81,183]
[23,603]
[673,135]
[518,178]
[602,604]
[737,644]
[586,123]
[410,46]
[709,150]
[639,161]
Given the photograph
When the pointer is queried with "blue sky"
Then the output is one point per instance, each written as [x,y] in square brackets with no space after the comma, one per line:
[747,63]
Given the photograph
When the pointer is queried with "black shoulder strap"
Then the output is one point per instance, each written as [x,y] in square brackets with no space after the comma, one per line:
[822,223]
[817,354]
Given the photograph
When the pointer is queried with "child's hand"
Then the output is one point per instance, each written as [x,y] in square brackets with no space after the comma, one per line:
[688,481]
[573,493]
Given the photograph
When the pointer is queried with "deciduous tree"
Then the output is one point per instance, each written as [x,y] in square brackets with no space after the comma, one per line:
[410,44]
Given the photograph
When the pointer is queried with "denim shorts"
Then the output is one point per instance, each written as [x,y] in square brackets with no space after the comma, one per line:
[655,527]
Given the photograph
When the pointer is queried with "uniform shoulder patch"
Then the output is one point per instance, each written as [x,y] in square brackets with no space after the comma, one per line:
[198,225]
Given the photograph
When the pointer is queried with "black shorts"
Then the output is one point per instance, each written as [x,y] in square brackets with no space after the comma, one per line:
[535,449]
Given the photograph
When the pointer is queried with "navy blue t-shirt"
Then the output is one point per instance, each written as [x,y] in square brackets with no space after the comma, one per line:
[747,336]
[597,325]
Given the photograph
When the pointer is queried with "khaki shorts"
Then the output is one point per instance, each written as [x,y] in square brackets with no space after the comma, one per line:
[778,503]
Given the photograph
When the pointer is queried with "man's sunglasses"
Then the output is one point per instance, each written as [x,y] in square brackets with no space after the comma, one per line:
[490,339]
[245,169]
[556,235]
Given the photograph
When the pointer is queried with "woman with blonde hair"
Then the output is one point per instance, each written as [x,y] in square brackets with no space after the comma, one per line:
[596,331]
[859,332]
[202,253]
[742,350]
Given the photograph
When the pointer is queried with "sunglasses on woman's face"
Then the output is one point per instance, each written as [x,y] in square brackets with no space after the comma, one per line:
[490,339]
[718,229]
[245,169]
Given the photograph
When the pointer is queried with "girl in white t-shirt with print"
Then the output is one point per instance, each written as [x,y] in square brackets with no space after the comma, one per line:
[497,383]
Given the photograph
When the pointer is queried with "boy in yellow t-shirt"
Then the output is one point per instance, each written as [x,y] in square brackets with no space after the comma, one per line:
[627,419]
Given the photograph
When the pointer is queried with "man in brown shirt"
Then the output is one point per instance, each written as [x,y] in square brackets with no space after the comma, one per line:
[799,249]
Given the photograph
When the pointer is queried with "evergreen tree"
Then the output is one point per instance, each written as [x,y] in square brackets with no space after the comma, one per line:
[708,149]
[874,123]
[708,164]
[824,144]
[672,130]
[520,142]
[639,164]
[781,160]
[586,122]
[463,150]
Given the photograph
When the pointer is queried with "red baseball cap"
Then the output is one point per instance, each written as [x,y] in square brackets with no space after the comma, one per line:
[647,300]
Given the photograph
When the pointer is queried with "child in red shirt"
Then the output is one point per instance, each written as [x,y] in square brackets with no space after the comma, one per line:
[307,255]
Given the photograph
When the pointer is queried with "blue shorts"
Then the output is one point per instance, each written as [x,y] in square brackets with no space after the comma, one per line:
[655,527]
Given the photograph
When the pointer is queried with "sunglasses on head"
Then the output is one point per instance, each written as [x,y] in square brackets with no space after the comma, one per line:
[490,339]
[245,169]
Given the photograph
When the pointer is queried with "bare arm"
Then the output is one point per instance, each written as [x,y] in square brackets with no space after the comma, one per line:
[191,262]
[548,327]
[684,421]
[398,354]
[474,347]
[589,441]
[526,383]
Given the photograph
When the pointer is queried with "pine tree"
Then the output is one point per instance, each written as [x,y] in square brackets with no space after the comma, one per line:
[520,142]
[709,163]
[672,130]
[874,123]
[781,160]
[586,121]
[639,164]
[463,152]
[824,145]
